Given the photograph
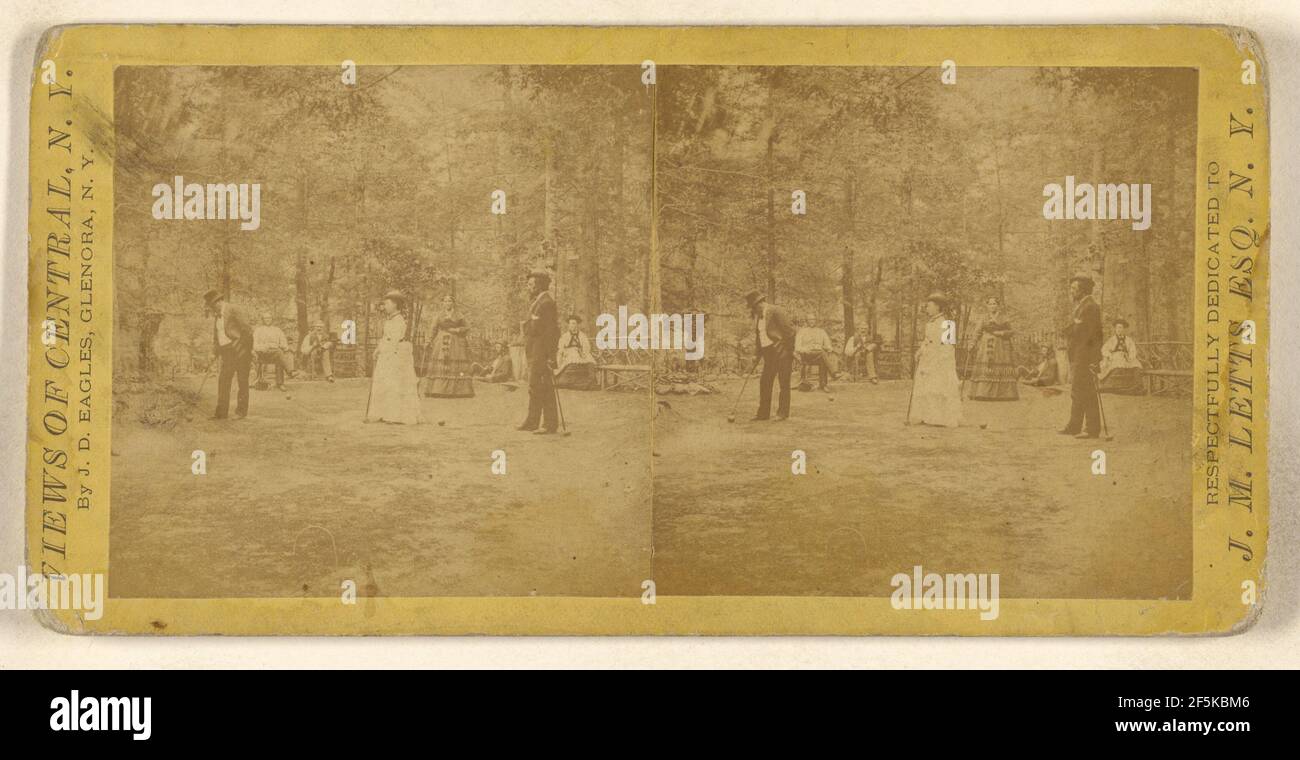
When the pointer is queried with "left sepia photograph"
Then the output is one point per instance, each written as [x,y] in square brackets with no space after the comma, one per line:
[335,331]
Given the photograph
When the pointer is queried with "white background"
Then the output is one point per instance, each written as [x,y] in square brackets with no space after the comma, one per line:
[1273,642]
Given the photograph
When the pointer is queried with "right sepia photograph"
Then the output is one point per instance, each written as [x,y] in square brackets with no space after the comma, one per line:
[949,330]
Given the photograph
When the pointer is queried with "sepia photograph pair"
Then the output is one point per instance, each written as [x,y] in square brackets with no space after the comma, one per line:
[686,330]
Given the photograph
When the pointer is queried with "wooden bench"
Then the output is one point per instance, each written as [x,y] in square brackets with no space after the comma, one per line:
[625,376]
[1169,363]
[627,369]
[1168,382]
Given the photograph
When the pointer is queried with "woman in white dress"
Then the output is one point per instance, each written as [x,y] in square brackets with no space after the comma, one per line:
[394,387]
[936,389]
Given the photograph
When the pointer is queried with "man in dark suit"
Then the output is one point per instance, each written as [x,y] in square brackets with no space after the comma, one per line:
[232,342]
[774,345]
[541,338]
[1084,343]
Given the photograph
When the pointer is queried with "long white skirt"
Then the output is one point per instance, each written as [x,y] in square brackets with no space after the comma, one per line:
[394,388]
[936,391]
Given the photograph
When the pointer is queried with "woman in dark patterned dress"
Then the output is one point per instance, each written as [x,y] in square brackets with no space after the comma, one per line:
[448,366]
[993,377]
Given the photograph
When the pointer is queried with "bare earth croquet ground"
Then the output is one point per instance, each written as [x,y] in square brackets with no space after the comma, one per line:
[1015,498]
[302,495]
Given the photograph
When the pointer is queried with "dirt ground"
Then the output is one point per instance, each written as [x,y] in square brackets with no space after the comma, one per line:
[1014,498]
[302,495]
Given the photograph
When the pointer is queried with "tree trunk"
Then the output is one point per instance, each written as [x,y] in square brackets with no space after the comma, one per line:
[770,172]
[847,255]
[300,278]
[911,340]
[225,266]
[325,315]
[650,265]
[149,323]
[363,357]
[872,324]
[588,301]
[512,263]
[451,217]
[622,251]
[550,200]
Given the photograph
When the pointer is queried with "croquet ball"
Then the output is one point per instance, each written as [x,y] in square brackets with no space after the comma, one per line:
[441,423]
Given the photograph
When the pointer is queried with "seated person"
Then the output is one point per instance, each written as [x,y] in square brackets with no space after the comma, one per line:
[1121,368]
[860,355]
[318,346]
[499,371]
[575,365]
[1046,373]
[270,346]
[813,347]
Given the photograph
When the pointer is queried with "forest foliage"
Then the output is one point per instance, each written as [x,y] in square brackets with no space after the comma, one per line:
[910,185]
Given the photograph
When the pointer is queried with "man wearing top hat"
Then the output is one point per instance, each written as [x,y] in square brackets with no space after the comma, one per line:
[541,337]
[1084,341]
[774,344]
[232,342]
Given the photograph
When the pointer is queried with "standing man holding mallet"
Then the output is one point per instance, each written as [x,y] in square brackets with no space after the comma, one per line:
[541,337]
[774,345]
[1084,340]
[232,342]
